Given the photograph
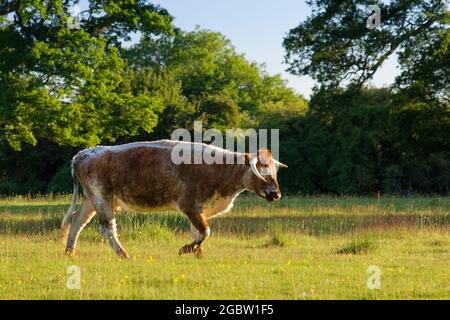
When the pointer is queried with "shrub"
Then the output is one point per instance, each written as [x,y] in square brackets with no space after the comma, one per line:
[61,182]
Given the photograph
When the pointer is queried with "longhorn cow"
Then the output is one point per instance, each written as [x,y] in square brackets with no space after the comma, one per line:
[142,177]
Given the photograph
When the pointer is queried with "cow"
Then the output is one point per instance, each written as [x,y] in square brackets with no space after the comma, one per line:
[143,177]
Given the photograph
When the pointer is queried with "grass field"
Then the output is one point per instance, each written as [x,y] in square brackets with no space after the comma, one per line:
[297,248]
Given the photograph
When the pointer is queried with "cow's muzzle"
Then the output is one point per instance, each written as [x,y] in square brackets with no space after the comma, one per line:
[273,195]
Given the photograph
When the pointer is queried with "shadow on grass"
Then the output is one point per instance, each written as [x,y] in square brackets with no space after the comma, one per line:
[326,225]
[47,219]
[34,209]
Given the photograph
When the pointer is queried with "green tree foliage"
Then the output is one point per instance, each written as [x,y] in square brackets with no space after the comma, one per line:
[209,69]
[334,44]
[391,140]
[60,81]
[337,149]
[421,127]
[359,141]
[218,112]
[163,86]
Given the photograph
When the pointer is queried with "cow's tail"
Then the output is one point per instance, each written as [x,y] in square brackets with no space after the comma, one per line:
[67,220]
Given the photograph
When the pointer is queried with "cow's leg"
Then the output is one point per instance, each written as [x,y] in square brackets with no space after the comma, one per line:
[200,232]
[79,220]
[108,227]
[195,234]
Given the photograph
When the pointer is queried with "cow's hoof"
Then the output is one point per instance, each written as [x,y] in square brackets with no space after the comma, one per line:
[123,254]
[191,248]
[185,249]
[199,252]
[69,252]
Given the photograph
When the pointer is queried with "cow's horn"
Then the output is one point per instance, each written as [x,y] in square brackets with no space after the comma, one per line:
[255,170]
[279,164]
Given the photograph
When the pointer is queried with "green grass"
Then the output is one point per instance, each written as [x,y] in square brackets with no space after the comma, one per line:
[297,248]
[278,238]
[358,246]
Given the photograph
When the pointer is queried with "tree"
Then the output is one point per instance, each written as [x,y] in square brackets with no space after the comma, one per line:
[426,62]
[400,143]
[218,111]
[208,68]
[334,46]
[163,86]
[338,144]
[61,82]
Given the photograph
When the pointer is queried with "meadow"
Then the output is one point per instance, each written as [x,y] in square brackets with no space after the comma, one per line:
[297,248]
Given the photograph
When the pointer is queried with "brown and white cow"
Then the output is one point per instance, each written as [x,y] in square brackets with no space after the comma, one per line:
[141,176]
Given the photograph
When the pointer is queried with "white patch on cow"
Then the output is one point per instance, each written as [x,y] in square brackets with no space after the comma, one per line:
[93,152]
[104,231]
[96,195]
[95,189]
[160,144]
[109,231]
[197,236]
[218,205]
[207,233]
[198,149]
[134,208]
[98,151]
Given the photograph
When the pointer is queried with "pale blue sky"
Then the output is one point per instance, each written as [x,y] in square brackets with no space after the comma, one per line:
[256,28]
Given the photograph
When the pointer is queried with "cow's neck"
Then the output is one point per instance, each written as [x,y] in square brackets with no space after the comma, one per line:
[238,178]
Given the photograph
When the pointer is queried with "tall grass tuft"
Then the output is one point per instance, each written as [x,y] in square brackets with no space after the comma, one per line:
[361,245]
[278,236]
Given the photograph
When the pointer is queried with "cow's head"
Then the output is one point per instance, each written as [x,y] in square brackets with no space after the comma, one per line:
[264,179]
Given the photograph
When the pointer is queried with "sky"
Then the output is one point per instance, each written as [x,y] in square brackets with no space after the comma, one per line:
[257,28]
